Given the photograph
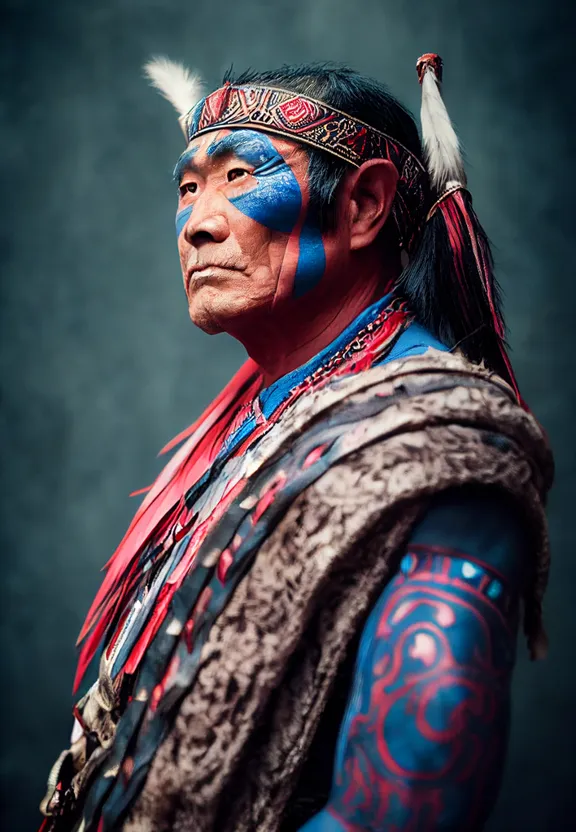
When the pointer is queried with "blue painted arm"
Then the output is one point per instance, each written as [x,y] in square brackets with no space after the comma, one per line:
[423,741]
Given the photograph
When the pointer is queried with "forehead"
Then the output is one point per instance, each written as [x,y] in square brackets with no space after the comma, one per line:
[214,149]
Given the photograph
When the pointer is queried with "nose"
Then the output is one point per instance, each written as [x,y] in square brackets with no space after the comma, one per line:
[208,221]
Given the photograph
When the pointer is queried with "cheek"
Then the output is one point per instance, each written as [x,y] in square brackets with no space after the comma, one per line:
[255,241]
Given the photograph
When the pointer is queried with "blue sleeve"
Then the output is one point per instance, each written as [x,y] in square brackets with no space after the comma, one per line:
[423,741]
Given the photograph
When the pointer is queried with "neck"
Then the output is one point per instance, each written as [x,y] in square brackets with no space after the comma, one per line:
[283,340]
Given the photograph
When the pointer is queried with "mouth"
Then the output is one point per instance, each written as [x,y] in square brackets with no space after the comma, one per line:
[201,272]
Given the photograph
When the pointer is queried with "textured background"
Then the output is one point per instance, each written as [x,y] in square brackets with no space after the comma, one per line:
[100,365]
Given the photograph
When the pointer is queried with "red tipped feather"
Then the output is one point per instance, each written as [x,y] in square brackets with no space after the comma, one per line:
[248,371]
[467,240]
[205,438]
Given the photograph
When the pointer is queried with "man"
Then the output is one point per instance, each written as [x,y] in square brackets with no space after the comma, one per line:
[311,621]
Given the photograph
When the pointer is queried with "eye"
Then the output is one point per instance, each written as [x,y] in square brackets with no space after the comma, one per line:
[188,188]
[237,173]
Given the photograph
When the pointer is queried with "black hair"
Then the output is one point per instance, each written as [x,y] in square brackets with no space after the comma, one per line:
[449,294]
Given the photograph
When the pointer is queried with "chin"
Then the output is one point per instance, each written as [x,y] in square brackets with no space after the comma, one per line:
[215,312]
[204,321]
[214,309]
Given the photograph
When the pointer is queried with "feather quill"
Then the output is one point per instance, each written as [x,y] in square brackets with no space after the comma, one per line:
[181,87]
[442,148]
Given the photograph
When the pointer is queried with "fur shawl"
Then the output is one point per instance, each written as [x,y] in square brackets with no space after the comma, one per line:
[231,759]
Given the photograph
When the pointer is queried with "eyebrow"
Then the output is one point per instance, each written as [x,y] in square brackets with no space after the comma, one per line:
[217,150]
[184,163]
[248,146]
[233,144]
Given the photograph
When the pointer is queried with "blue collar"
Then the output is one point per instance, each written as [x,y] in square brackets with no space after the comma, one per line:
[271,397]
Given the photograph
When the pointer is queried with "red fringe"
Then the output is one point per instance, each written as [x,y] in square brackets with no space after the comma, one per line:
[463,235]
[165,497]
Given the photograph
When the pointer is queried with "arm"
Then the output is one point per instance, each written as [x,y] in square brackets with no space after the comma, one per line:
[423,741]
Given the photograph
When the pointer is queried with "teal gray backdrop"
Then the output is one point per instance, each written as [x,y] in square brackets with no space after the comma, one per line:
[100,365]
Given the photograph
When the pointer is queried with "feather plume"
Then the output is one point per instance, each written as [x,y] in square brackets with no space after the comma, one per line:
[441,145]
[179,85]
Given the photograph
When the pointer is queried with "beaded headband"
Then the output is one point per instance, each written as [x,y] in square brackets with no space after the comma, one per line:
[316,124]
[311,122]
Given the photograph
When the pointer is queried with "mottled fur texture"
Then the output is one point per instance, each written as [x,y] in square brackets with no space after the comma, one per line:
[232,758]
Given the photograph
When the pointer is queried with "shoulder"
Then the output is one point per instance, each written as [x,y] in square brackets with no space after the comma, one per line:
[480,523]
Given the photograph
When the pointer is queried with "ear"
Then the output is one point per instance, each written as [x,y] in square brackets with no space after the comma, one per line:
[368,195]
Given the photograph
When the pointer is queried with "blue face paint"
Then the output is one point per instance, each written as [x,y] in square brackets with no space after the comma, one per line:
[182,165]
[311,259]
[182,218]
[276,200]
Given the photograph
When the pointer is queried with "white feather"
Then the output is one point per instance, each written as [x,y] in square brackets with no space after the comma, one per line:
[443,156]
[182,88]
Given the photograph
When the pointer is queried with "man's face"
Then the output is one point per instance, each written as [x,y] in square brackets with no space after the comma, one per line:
[246,237]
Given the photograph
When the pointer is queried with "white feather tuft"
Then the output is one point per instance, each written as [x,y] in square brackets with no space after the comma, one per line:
[443,156]
[182,88]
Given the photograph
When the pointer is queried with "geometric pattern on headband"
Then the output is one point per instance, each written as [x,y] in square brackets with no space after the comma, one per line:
[317,125]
